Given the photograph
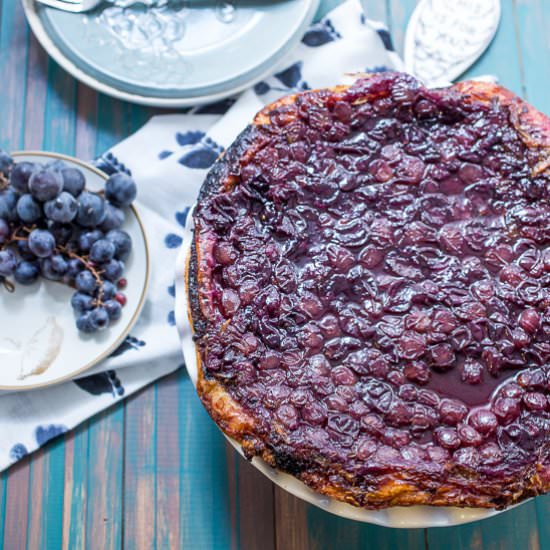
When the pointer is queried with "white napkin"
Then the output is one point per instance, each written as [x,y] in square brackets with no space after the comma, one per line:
[169,158]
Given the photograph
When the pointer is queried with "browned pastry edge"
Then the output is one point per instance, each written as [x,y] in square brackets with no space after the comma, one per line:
[453,487]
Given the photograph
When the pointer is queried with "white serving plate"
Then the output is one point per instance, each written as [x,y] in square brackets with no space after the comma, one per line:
[37,323]
[398,516]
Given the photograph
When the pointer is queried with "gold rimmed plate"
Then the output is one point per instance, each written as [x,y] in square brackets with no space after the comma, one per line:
[39,342]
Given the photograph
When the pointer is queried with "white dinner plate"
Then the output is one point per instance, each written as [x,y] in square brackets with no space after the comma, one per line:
[398,516]
[39,342]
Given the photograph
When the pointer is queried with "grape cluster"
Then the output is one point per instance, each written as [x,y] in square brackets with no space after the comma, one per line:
[51,226]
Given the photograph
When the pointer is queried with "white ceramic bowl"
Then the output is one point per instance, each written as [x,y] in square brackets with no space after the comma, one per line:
[39,342]
[399,516]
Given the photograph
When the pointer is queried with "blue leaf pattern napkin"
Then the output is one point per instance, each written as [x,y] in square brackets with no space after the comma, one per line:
[169,158]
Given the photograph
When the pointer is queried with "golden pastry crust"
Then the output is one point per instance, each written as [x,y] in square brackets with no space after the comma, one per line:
[451,485]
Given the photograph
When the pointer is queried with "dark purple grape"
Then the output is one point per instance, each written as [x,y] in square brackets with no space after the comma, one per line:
[88,238]
[19,177]
[8,262]
[506,408]
[447,438]
[41,243]
[122,242]
[452,411]
[62,209]
[24,251]
[73,180]
[8,202]
[84,323]
[114,218]
[471,371]
[81,302]
[27,273]
[91,209]
[114,309]
[6,162]
[86,282]
[417,371]
[535,401]
[74,267]
[484,421]
[469,435]
[99,318]
[61,232]
[112,270]
[412,345]
[108,290]
[28,209]
[529,320]
[59,264]
[47,270]
[102,251]
[45,184]
[120,189]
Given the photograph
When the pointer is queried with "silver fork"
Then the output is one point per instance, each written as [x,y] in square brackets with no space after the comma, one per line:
[74,6]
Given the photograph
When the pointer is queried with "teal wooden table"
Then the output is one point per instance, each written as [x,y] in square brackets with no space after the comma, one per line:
[154,471]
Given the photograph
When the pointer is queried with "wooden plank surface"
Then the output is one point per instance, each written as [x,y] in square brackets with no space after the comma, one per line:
[102,469]
[140,471]
[15,512]
[154,472]
[168,504]
[75,495]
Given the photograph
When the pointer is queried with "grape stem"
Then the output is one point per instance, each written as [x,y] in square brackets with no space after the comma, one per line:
[89,267]
[9,286]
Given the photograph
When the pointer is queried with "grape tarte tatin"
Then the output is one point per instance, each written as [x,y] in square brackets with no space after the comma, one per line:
[369,289]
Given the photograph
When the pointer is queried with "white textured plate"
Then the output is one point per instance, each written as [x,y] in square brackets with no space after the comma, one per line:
[403,517]
[173,53]
[37,324]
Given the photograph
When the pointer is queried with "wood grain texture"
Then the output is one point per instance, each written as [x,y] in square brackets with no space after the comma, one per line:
[103,468]
[86,99]
[140,471]
[45,516]
[291,527]
[35,96]
[532,18]
[14,36]
[15,517]
[330,532]
[168,464]
[205,497]
[155,472]
[256,508]
[75,494]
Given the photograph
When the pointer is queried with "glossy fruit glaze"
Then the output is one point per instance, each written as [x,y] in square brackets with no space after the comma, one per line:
[380,277]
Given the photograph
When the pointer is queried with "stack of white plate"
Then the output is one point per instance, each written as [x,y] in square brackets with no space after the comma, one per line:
[172,53]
